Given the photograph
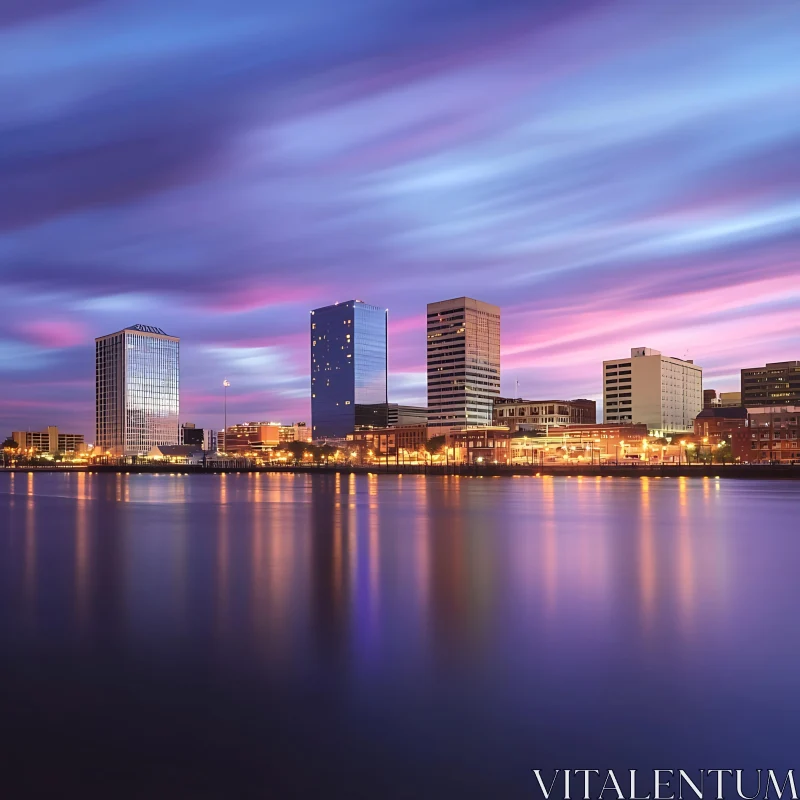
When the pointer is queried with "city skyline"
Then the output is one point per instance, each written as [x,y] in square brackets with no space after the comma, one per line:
[609,175]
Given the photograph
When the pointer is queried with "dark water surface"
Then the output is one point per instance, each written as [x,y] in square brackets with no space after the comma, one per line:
[382,636]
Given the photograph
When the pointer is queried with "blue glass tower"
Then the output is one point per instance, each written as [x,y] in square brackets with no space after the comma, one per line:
[348,369]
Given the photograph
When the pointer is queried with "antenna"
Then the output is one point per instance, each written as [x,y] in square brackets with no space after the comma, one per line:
[516,396]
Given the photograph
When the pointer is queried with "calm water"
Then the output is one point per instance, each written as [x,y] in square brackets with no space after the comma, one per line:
[276,635]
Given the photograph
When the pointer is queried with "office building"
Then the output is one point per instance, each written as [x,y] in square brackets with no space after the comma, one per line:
[296,432]
[204,438]
[772,434]
[348,369]
[463,363]
[50,440]
[487,444]
[518,414]
[776,384]
[406,415]
[137,390]
[664,393]
[714,399]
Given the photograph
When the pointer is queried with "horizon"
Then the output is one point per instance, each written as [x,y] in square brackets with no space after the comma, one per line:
[610,175]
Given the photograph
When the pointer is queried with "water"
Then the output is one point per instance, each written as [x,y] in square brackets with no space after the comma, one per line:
[381,636]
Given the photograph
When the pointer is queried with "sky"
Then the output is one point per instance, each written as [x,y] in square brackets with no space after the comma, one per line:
[611,174]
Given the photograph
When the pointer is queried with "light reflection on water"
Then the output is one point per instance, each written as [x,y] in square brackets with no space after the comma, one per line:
[501,620]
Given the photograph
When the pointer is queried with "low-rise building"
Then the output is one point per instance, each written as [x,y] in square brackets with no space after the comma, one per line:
[542,414]
[772,434]
[177,453]
[250,436]
[50,440]
[204,438]
[483,445]
[296,432]
[396,442]
[599,443]
[715,425]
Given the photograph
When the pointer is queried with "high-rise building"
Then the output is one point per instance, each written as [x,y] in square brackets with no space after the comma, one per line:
[348,369]
[776,384]
[137,387]
[463,363]
[664,393]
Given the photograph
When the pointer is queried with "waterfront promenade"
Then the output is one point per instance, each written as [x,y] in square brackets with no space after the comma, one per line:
[740,471]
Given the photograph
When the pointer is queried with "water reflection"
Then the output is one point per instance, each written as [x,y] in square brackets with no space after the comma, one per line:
[476,600]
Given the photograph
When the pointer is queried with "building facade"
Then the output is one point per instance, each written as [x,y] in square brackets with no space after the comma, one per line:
[463,358]
[664,393]
[772,434]
[251,436]
[50,440]
[487,444]
[204,438]
[348,369]
[296,432]
[137,389]
[406,415]
[519,414]
[776,384]
[715,426]
[396,442]
[598,444]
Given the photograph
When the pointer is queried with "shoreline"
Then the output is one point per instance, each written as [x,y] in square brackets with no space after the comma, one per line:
[735,471]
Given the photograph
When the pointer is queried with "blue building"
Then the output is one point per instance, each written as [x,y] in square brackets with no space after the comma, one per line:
[348,369]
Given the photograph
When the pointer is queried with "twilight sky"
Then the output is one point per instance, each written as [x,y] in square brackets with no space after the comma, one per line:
[612,174]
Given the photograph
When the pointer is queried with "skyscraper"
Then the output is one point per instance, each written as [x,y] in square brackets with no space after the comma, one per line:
[348,369]
[137,390]
[463,363]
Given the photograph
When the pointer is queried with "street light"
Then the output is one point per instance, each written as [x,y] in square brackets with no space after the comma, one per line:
[225,384]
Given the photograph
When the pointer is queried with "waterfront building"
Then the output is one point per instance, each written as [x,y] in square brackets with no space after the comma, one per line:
[406,415]
[463,360]
[715,426]
[776,384]
[397,442]
[772,434]
[204,438]
[599,443]
[50,440]
[348,369]
[664,393]
[251,436]
[296,432]
[515,413]
[178,454]
[485,444]
[137,389]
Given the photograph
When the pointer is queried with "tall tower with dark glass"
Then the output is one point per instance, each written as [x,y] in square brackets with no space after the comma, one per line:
[348,369]
[137,384]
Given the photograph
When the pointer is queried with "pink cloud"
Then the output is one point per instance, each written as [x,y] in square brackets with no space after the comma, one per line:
[54,333]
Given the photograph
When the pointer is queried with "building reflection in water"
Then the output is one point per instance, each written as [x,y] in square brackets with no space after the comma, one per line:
[354,568]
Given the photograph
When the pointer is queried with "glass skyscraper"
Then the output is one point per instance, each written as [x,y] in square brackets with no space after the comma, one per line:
[137,383]
[348,369]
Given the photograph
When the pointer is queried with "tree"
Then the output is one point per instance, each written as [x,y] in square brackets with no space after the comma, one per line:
[435,444]
[10,444]
[296,449]
[723,453]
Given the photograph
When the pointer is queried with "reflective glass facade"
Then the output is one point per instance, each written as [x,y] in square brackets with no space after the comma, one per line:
[348,369]
[137,390]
